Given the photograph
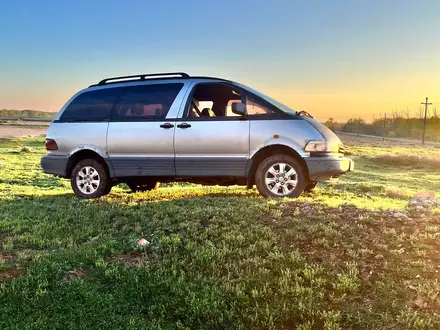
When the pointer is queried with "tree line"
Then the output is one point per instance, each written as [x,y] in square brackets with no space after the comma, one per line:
[395,126]
[11,113]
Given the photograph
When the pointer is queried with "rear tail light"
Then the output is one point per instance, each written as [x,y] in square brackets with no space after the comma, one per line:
[51,144]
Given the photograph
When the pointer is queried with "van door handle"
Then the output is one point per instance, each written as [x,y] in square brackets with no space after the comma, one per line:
[184,125]
[167,125]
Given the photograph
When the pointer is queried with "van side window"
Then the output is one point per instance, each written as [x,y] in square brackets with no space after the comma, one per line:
[254,107]
[211,101]
[91,106]
[145,102]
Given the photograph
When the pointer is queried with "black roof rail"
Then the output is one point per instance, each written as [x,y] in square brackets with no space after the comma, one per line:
[143,76]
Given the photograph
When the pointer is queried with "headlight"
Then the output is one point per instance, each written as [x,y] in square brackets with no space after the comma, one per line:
[316,146]
[322,146]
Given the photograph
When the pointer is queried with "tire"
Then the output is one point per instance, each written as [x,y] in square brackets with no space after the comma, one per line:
[90,171]
[310,186]
[290,185]
[153,185]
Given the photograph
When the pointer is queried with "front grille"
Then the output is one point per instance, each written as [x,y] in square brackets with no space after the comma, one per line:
[341,149]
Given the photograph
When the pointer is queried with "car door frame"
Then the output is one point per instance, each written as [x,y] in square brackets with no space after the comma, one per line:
[233,166]
[138,165]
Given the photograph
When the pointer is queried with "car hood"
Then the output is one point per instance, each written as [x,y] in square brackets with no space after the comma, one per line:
[326,132]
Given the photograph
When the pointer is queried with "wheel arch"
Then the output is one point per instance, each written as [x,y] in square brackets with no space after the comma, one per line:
[82,154]
[270,150]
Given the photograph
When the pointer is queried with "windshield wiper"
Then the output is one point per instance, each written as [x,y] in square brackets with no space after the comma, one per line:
[304,113]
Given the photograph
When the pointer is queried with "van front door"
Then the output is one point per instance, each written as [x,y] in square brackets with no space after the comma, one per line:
[211,141]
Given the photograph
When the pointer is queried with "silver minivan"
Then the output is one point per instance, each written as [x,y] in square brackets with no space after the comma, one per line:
[165,127]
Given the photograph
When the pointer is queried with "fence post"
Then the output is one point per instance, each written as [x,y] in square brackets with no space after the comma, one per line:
[424,120]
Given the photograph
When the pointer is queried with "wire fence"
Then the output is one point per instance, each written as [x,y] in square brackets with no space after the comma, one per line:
[405,125]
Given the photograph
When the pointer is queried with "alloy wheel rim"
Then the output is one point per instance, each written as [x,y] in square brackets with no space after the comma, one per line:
[88,180]
[281,179]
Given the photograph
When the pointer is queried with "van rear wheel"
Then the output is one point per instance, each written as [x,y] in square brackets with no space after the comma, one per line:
[280,176]
[134,187]
[89,179]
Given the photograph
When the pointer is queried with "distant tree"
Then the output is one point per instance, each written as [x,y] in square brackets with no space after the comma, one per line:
[333,125]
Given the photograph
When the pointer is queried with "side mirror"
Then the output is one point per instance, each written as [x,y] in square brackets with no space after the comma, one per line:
[239,108]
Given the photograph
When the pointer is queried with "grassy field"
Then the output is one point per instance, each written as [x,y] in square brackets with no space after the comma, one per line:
[350,255]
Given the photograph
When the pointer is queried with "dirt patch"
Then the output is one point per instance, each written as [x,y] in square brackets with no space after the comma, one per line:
[8,257]
[2,238]
[129,259]
[10,273]
[14,131]
[396,193]
[76,274]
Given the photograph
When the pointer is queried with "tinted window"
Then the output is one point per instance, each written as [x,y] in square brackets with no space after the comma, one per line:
[91,106]
[146,101]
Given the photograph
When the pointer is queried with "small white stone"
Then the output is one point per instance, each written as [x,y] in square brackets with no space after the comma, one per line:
[143,242]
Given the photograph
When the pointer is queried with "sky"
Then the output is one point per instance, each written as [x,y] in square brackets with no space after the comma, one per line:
[338,59]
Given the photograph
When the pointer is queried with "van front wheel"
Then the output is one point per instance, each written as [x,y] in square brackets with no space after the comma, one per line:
[280,176]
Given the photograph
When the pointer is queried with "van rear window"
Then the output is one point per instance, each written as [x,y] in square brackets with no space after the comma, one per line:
[91,106]
[146,102]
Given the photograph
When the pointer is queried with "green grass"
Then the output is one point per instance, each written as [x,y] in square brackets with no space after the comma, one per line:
[219,258]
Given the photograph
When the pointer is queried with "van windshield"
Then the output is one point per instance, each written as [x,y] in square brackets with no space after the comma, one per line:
[279,105]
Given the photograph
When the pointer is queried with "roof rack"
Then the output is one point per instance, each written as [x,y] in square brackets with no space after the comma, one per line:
[144,76]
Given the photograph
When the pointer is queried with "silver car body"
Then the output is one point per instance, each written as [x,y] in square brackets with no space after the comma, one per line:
[215,148]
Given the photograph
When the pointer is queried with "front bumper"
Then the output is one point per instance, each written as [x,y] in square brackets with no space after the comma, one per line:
[56,165]
[323,168]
